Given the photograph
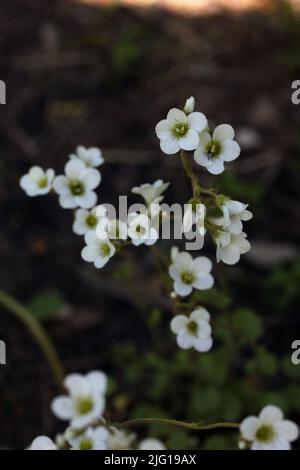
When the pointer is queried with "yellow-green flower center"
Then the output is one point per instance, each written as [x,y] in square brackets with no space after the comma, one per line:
[91,220]
[214,148]
[84,405]
[76,187]
[192,327]
[43,183]
[187,278]
[265,433]
[180,129]
[105,249]
[86,444]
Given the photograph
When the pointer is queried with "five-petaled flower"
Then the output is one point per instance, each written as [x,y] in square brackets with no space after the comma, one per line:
[269,431]
[75,188]
[152,193]
[91,157]
[214,150]
[180,131]
[85,400]
[140,230]
[193,331]
[37,182]
[92,438]
[188,273]
[86,220]
[97,251]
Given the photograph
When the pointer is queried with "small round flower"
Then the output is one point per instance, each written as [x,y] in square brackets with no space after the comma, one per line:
[234,214]
[91,157]
[97,251]
[85,221]
[269,431]
[85,400]
[75,188]
[214,150]
[188,273]
[180,131]
[189,105]
[90,439]
[152,193]
[37,181]
[151,444]
[193,331]
[231,247]
[42,443]
[140,230]
[119,439]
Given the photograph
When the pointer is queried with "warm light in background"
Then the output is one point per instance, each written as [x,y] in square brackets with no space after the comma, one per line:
[191,6]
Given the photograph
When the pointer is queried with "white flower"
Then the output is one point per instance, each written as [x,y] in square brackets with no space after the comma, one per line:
[86,220]
[75,188]
[213,151]
[188,273]
[152,193]
[91,157]
[194,215]
[114,229]
[119,439]
[97,251]
[151,444]
[231,247]
[140,230]
[42,443]
[85,400]
[189,105]
[180,131]
[269,431]
[90,439]
[37,181]
[234,214]
[193,331]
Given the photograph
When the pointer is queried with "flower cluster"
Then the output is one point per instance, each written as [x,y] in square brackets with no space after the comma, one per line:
[83,409]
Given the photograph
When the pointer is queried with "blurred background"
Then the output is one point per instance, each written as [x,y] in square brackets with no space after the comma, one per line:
[101,73]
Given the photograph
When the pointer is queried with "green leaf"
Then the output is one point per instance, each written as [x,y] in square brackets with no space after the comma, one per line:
[46,305]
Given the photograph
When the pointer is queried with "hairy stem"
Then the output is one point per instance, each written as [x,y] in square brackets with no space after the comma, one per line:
[182,424]
[37,332]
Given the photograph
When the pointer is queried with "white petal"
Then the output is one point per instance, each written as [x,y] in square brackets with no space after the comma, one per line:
[200,314]
[97,380]
[151,444]
[60,184]
[68,201]
[36,173]
[178,323]
[185,340]
[42,443]
[249,427]
[190,141]
[101,261]
[61,407]
[203,344]
[162,129]
[197,121]
[270,414]
[229,254]
[203,264]
[92,178]
[76,384]
[203,282]
[230,150]
[223,132]
[201,158]
[87,200]
[90,253]
[216,167]
[169,146]
[182,289]
[236,225]
[176,116]
[288,430]
[74,168]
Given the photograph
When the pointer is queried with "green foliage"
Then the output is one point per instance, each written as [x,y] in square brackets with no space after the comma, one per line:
[230,183]
[46,305]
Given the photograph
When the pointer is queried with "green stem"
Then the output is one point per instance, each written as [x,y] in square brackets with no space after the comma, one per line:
[38,333]
[193,177]
[182,424]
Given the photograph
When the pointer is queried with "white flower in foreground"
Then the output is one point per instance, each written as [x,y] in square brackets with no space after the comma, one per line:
[193,331]
[97,251]
[140,230]
[86,220]
[75,188]
[188,273]
[180,131]
[119,439]
[114,229]
[231,247]
[42,443]
[269,431]
[152,193]
[37,181]
[90,439]
[151,444]
[234,214]
[214,150]
[91,157]
[85,400]
[189,105]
